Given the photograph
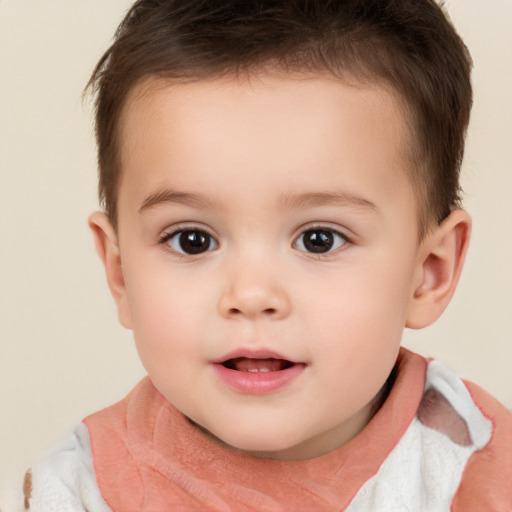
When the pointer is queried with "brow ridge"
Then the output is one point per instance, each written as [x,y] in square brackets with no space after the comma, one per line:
[169,195]
[289,201]
[311,199]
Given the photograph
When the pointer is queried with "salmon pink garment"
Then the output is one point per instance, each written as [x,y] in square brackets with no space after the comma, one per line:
[149,457]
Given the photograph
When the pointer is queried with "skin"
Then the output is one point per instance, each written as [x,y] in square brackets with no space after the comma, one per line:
[255,164]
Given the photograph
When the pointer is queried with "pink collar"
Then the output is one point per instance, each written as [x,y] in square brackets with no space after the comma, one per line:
[149,457]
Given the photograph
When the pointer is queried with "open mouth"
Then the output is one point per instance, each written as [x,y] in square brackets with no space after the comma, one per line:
[252,365]
[257,372]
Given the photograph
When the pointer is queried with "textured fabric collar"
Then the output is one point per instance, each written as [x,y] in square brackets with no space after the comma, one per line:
[149,457]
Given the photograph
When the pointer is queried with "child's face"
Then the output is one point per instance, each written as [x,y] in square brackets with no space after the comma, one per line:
[267,225]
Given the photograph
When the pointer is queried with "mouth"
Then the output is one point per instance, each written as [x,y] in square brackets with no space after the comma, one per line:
[257,365]
[257,372]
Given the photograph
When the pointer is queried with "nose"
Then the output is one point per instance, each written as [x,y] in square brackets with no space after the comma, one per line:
[253,290]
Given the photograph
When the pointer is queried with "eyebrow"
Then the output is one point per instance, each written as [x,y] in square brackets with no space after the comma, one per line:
[289,201]
[339,198]
[168,195]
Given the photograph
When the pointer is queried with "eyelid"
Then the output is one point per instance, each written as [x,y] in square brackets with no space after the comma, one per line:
[170,231]
[327,226]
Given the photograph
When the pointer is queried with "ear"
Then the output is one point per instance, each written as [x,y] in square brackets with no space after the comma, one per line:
[107,247]
[442,256]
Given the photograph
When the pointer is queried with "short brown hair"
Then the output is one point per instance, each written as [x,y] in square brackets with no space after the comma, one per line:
[407,44]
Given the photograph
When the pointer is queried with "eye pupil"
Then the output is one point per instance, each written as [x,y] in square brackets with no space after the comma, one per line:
[318,240]
[194,242]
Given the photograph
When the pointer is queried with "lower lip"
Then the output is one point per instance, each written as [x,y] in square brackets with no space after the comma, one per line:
[258,383]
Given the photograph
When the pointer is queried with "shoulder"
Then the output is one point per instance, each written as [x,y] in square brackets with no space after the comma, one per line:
[489,471]
[455,455]
[65,478]
[473,418]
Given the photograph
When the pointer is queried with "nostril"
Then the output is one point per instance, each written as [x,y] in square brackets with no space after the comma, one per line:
[266,312]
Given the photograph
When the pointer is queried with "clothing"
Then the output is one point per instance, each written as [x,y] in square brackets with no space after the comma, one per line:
[436,444]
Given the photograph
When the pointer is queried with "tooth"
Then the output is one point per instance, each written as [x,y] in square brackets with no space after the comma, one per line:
[253,370]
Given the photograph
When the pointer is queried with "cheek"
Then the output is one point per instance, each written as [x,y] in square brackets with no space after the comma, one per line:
[358,339]
[360,314]
[165,309]
[166,328]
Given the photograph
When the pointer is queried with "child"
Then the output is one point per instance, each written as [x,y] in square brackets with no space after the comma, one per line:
[280,186]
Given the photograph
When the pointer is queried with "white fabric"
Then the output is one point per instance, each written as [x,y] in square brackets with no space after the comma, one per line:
[424,470]
[65,481]
[453,389]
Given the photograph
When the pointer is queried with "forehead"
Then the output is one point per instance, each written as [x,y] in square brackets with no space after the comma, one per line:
[263,126]
[312,96]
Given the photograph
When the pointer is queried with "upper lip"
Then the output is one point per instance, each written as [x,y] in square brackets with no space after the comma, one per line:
[250,353]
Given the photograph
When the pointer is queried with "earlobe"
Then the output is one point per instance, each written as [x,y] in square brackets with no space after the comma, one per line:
[442,256]
[107,247]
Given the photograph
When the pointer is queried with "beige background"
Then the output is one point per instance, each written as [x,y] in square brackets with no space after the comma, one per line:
[62,354]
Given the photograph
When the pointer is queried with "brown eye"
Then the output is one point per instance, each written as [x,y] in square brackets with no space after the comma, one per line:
[320,241]
[191,241]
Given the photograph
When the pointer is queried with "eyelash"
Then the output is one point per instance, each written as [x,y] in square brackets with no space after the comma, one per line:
[327,235]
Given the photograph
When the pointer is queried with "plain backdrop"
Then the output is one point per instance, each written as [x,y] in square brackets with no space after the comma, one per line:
[62,353]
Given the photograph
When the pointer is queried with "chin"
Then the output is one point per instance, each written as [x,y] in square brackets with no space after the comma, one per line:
[256,444]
